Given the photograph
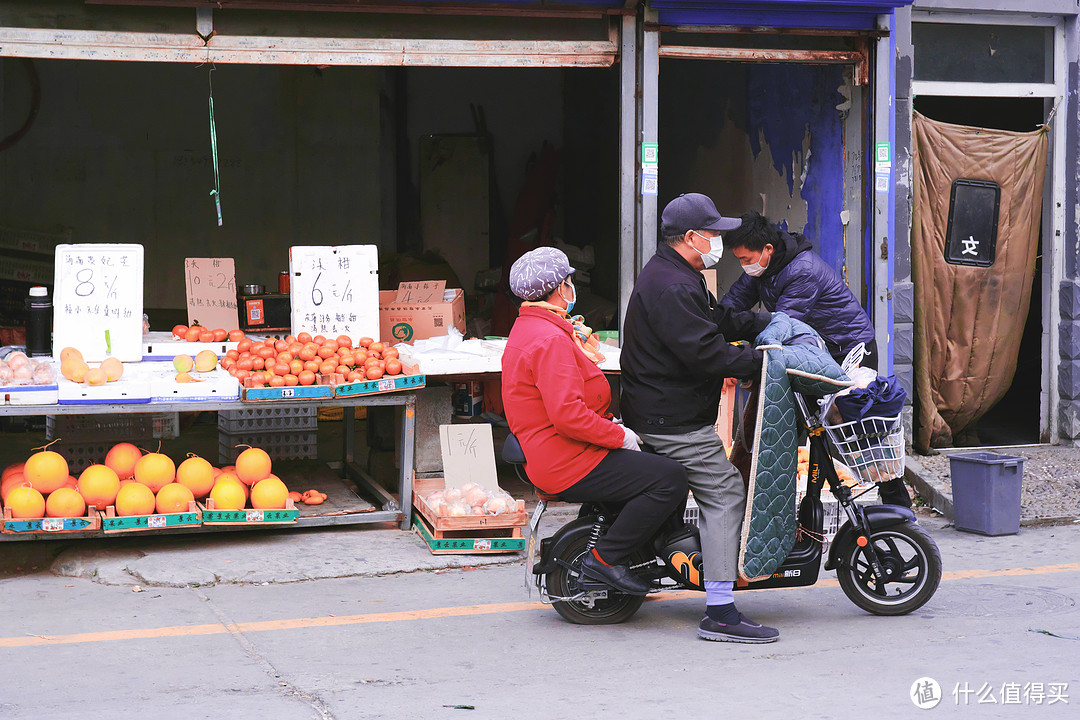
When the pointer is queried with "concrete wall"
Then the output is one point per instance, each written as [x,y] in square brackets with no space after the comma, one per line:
[120,152]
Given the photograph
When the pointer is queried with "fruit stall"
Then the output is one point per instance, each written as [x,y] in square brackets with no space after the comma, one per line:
[107,378]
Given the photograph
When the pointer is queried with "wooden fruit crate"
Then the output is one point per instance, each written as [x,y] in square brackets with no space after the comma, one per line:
[491,541]
[249,516]
[91,522]
[112,523]
[424,486]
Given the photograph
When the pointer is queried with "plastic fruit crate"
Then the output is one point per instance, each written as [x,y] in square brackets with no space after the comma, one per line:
[266,419]
[289,445]
[121,427]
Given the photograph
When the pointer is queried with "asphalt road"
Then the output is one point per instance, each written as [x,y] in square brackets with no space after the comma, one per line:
[470,643]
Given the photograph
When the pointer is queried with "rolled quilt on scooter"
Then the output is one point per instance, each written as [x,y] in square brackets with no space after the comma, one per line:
[794,362]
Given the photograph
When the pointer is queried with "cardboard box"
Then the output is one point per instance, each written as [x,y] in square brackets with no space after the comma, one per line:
[407,314]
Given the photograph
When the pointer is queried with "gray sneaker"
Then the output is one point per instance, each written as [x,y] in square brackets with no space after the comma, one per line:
[745,631]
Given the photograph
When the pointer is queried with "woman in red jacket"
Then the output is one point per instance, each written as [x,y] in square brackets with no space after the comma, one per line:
[556,403]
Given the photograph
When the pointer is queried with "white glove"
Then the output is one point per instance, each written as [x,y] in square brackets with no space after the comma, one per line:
[630,439]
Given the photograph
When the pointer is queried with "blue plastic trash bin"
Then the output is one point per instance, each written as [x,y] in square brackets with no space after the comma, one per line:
[986,492]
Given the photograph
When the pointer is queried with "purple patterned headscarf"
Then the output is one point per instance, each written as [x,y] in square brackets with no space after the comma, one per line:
[536,273]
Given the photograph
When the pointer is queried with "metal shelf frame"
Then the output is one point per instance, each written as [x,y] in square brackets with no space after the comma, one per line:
[391,509]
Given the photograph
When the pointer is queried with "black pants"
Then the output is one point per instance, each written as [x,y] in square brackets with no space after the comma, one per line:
[653,488]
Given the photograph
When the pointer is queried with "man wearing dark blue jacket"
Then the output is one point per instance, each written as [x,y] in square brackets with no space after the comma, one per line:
[675,356]
[783,273]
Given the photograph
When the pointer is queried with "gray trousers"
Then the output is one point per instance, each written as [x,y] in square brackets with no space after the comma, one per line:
[718,489]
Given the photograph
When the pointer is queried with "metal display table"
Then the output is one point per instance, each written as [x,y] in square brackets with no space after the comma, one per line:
[389,508]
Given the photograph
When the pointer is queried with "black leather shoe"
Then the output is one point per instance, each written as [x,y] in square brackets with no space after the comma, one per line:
[744,631]
[617,576]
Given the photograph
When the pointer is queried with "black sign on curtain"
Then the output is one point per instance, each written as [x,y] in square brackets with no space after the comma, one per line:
[971,237]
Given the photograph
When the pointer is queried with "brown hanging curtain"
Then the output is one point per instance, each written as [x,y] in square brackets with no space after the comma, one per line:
[969,320]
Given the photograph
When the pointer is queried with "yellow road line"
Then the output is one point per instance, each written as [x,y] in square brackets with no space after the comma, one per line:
[431,614]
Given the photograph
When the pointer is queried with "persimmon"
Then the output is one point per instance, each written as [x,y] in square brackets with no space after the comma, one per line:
[393,367]
[374,372]
[344,341]
[236,335]
[220,334]
[206,336]
[179,332]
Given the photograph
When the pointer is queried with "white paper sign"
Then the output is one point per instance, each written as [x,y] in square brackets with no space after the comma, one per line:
[334,290]
[98,301]
[468,455]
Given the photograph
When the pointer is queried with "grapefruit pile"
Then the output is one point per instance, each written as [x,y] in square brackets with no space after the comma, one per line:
[300,359]
[138,483]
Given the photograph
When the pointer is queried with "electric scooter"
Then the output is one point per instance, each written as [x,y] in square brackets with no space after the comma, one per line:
[886,563]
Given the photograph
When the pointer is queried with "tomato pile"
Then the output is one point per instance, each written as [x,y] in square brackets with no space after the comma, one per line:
[198,333]
[298,360]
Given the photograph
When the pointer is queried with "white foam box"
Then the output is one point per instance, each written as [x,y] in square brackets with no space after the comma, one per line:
[162,346]
[214,385]
[132,387]
[30,394]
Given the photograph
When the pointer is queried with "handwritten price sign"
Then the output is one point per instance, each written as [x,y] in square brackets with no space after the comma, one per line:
[211,292]
[98,303]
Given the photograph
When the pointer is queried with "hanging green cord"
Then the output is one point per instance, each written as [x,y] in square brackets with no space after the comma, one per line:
[216,192]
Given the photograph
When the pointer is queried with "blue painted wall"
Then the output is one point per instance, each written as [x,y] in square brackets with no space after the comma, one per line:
[783,100]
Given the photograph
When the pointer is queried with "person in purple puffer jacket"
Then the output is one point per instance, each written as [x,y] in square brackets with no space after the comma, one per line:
[783,273]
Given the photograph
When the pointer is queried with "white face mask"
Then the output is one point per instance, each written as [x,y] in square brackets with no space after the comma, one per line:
[756,268]
[716,250]
[753,269]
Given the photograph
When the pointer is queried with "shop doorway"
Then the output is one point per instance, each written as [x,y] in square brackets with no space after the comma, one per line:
[1015,419]
[784,139]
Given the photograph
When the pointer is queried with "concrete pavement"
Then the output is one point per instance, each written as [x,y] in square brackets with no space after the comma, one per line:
[424,644]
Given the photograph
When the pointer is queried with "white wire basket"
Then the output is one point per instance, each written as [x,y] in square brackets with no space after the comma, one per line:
[872,447]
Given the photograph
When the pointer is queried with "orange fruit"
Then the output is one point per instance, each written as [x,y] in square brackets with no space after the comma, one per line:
[72,483]
[98,486]
[11,482]
[25,502]
[46,471]
[252,465]
[269,494]
[74,369]
[12,468]
[155,471]
[197,475]
[228,494]
[114,369]
[122,458]
[173,498]
[134,499]
[70,352]
[65,502]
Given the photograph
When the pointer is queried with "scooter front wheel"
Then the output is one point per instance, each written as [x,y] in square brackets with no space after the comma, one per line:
[911,562]
[564,582]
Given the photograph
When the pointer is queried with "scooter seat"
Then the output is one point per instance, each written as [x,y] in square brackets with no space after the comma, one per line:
[512,452]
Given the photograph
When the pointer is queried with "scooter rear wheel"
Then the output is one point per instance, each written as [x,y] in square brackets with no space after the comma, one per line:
[912,563]
[563,582]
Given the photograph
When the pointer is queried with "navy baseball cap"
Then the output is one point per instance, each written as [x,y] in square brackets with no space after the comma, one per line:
[694,211]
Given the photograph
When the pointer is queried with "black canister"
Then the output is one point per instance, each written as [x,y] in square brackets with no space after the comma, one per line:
[39,326]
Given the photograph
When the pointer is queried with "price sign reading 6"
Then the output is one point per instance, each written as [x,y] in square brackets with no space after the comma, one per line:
[316,293]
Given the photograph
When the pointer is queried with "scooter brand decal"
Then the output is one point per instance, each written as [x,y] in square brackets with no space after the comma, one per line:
[787,574]
[686,566]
